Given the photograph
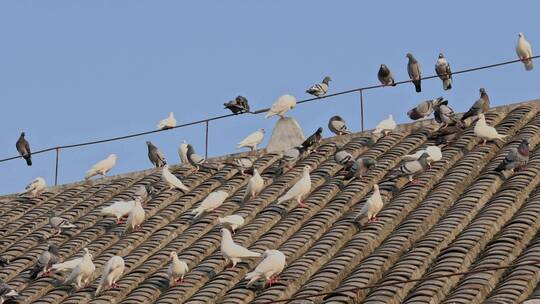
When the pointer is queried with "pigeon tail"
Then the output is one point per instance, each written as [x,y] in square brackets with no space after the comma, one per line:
[447,84]
[417,86]
[28,160]
[528,64]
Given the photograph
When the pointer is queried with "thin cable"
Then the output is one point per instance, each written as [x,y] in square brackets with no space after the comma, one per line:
[261,110]
[399,282]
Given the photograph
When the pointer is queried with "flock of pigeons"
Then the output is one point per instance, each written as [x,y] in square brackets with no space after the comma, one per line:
[273,261]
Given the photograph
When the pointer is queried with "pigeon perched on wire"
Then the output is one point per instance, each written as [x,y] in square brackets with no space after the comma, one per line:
[176,270]
[35,188]
[252,140]
[23,147]
[233,221]
[410,168]
[111,274]
[320,89]
[357,168]
[58,223]
[232,251]
[238,105]
[479,106]
[299,190]
[337,125]
[413,68]
[313,141]
[444,114]
[167,123]
[385,76]
[442,68]
[269,268]
[281,106]
[155,156]
[102,167]
[517,158]
[424,109]
[485,131]
[45,261]
[524,52]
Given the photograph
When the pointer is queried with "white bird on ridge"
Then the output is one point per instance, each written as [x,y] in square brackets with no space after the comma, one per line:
[167,123]
[102,167]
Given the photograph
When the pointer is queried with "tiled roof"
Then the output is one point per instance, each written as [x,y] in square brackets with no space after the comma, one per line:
[462,216]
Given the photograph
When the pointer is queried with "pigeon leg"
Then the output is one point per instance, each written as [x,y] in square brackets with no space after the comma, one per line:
[301,204]
[114,285]
[178,281]
[415,181]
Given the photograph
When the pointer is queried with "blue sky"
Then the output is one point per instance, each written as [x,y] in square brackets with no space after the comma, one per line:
[73,71]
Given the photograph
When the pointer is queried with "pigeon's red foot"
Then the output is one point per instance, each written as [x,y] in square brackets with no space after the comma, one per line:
[415,181]
[115,286]
[302,205]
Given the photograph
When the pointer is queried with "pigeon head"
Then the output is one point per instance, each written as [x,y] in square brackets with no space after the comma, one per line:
[441,55]
[262,131]
[190,149]
[22,134]
[384,67]
[327,79]
[173,254]
[410,56]
[113,156]
[520,34]
[482,91]
[319,130]
[481,117]
[148,143]
[376,187]
[368,162]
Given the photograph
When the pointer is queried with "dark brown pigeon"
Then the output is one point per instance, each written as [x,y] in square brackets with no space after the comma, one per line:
[23,147]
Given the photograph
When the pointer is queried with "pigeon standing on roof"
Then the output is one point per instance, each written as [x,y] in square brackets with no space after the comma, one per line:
[177,269]
[173,181]
[424,109]
[479,106]
[238,105]
[442,68]
[413,68]
[232,251]
[136,216]
[434,155]
[484,131]
[281,106]
[35,188]
[167,123]
[373,205]
[516,157]
[182,152]
[156,157]
[198,161]
[357,168]
[7,293]
[119,209]
[23,147]
[58,223]
[447,135]
[342,157]
[242,164]
[233,221]
[111,274]
[252,140]
[385,76]
[411,168]
[82,273]
[444,114]
[300,190]
[270,267]
[337,125]
[101,167]
[320,89]
[254,187]
[45,261]
[141,192]
[3,261]
[385,126]
[524,52]
[211,202]
[313,141]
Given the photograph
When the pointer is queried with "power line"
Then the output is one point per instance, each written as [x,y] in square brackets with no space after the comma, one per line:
[400,282]
[261,110]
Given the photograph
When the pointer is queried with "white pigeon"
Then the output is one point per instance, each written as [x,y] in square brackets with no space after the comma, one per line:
[81,275]
[373,205]
[299,190]
[211,202]
[177,269]
[232,251]
[35,188]
[102,167]
[386,125]
[233,220]
[111,273]
[167,123]
[524,51]
[484,131]
[171,180]
[136,216]
[252,140]
[281,106]
[120,209]
[254,187]
[434,152]
[182,152]
[67,265]
[272,265]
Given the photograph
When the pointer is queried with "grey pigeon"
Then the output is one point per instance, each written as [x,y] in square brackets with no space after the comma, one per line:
[198,161]
[516,158]
[151,190]
[413,68]
[7,293]
[447,135]
[442,68]
[411,168]
[358,168]
[289,158]
[337,125]
[313,140]
[385,76]
[444,114]
[243,164]
[320,89]
[238,105]
[342,157]
[480,106]
[23,147]
[45,261]
[156,157]
[58,223]
[423,109]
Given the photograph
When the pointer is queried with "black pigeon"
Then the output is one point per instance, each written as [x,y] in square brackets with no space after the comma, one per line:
[313,140]
[516,158]
[385,76]
[238,105]
[480,106]
[23,147]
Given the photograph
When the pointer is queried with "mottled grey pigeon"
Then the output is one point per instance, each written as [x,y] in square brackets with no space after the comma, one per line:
[238,105]
[524,52]
[313,140]
[516,157]
[23,147]
[423,109]
[198,161]
[411,168]
[337,125]
[479,106]
[320,89]
[7,293]
[58,223]
[447,135]
[385,76]
[444,114]
[358,167]
[342,157]
[413,68]
[45,261]
[289,158]
[155,156]
[442,67]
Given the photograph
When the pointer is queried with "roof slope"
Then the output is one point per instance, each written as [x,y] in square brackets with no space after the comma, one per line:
[461,217]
